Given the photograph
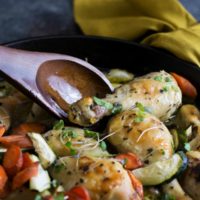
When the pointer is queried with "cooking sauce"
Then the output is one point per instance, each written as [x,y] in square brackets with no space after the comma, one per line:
[64,82]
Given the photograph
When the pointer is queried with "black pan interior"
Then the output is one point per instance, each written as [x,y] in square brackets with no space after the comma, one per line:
[109,53]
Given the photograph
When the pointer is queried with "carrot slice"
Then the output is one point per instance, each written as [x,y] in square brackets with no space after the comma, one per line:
[129,160]
[137,185]
[185,85]
[25,175]
[20,140]
[2,130]
[78,193]
[25,128]
[13,160]
[27,162]
[3,178]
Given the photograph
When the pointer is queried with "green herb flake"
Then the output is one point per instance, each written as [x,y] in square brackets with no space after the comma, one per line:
[69,132]
[73,152]
[158,78]
[187,146]
[138,119]
[58,168]
[140,106]
[103,145]
[59,197]
[59,125]
[165,88]
[101,102]
[38,197]
[117,108]
[167,79]
[91,134]
[168,197]
[162,151]
[68,144]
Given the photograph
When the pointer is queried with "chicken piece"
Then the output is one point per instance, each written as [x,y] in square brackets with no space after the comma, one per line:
[105,179]
[190,180]
[142,134]
[158,91]
[82,142]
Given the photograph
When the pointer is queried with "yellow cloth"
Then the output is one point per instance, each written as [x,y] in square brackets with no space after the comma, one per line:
[163,24]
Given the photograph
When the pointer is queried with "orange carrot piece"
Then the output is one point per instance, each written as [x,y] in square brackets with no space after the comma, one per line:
[137,185]
[27,162]
[78,193]
[185,85]
[2,130]
[20,140]
[25,128]
[129,160]
[25,175]
[3,178]
[13,160]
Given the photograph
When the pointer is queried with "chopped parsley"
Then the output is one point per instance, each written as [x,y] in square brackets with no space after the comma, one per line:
[166,88]
[138,119]
[73,152]
[140,114]
[38,197]
[69,132]
[117,107]
[140,106]
[91,134]
[167,79]
[187,146]
[58,167]
[158,78]
[103,145]
[101,102]
[59,125]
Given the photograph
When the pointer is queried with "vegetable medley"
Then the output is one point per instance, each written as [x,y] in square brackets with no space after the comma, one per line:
[147,147]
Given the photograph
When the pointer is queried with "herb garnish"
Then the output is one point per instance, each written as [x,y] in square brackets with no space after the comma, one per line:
[73,152]
[158,78]
[103,145]
[69,132]
[59,125]
[91,134]
[187,146]
[117,107]
[101,102]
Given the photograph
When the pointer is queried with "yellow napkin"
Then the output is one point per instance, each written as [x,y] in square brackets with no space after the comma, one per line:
[163,24]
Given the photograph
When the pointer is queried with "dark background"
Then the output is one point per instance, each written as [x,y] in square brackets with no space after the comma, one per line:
[28,18]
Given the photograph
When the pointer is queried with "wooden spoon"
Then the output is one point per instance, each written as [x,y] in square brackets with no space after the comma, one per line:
[53,80]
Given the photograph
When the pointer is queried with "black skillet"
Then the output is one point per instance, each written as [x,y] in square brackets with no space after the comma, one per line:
[109,53]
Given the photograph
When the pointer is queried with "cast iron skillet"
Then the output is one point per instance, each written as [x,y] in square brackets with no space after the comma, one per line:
[109,53]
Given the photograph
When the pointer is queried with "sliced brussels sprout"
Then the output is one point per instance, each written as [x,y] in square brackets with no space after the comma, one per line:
[119,76]
[158,172]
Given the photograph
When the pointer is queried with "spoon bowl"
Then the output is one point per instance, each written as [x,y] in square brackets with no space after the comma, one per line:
[53,80]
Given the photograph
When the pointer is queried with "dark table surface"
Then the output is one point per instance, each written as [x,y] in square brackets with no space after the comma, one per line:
[28,18]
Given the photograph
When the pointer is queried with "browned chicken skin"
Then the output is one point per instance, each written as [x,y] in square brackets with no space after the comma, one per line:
[158,91]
